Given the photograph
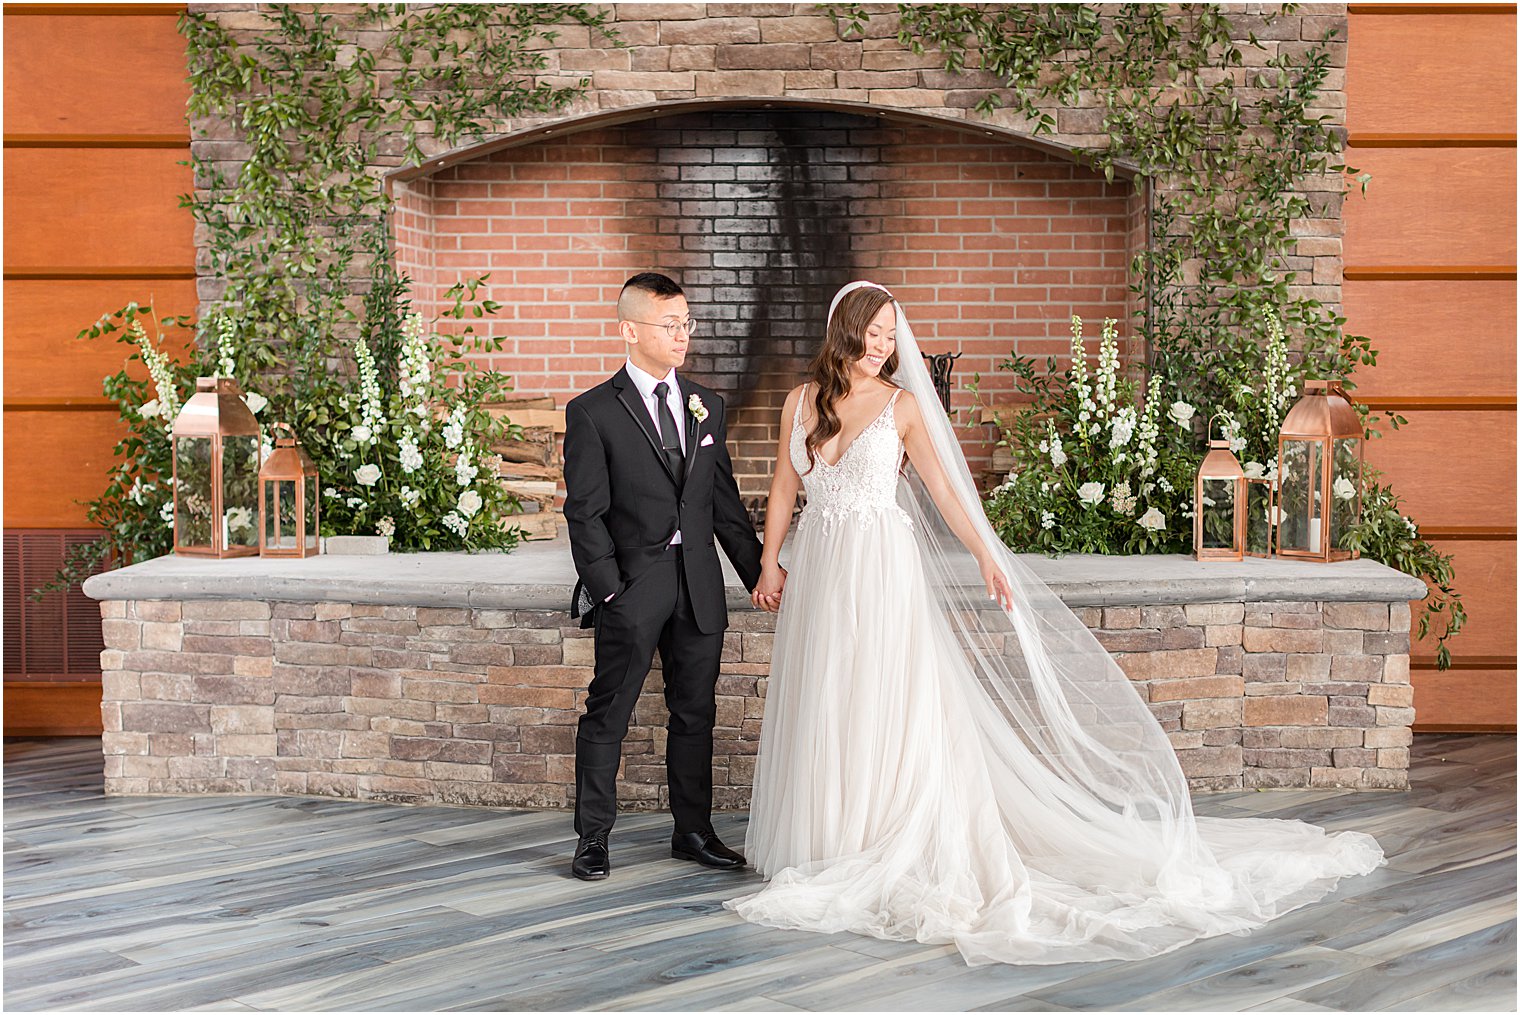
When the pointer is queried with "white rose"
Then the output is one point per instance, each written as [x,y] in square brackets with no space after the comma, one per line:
[1343,489]
[149,409]
[1153,520]
[1255,470]
[368,475]
[361,434]
[255,401]
[1181,413]
[469,503]
[1090,494]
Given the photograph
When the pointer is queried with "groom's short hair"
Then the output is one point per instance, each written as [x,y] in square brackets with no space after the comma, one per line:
[646,285]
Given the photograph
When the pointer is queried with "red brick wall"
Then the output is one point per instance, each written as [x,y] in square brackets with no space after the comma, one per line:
[761,216]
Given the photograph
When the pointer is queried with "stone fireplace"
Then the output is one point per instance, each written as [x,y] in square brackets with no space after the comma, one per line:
[761,212]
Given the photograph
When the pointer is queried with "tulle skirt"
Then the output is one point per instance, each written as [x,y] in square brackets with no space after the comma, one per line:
[892,798]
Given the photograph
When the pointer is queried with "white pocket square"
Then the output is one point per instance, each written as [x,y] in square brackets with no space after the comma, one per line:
[705,441]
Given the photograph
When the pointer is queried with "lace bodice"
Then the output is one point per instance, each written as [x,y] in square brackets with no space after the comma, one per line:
[862,484]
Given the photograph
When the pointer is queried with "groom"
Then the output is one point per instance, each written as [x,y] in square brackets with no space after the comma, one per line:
[648,484]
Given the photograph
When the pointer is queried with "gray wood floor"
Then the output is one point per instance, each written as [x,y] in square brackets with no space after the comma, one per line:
[238,904]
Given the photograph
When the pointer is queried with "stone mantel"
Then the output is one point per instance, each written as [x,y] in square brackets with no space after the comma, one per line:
[539,576]
[459,678]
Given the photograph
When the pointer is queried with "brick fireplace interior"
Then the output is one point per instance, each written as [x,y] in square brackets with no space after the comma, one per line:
[761,214]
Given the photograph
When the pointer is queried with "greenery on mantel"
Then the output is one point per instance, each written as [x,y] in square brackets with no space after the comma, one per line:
[1227,135]
[313,318]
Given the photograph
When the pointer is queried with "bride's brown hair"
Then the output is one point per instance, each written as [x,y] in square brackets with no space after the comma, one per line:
[844,342]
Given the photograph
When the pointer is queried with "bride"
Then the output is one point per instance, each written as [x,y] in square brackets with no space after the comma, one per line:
[944,764]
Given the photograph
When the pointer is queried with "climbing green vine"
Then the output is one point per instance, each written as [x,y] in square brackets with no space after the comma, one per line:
[297,121]
[1226,131]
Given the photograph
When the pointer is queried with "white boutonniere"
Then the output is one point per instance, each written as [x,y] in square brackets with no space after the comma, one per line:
[696,408]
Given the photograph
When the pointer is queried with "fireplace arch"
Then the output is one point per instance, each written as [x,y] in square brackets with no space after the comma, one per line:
[760,209]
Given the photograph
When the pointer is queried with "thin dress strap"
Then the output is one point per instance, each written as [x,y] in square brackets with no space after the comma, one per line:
[797,409]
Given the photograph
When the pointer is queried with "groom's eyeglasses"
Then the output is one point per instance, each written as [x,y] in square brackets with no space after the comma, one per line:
[674,327]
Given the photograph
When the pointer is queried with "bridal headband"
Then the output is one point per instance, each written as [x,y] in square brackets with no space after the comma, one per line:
[851,288]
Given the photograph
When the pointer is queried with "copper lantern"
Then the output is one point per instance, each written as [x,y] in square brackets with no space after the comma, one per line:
[215,452]
[1219,504]
[1319,474]
[288,502]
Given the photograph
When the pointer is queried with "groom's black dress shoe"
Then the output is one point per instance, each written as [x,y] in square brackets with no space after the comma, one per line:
[704,848]
[591,862]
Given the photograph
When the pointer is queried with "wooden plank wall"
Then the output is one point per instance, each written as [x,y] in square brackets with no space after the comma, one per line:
[94,130]
[1430,277]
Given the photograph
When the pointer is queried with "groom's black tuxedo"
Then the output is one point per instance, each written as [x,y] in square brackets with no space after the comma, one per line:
[623,502]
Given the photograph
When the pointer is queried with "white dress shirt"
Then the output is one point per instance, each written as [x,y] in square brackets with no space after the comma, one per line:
[645,382]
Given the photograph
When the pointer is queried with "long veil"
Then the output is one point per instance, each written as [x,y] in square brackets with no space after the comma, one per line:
[1088,785]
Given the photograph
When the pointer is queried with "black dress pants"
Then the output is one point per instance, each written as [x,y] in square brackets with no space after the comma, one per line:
[652,612]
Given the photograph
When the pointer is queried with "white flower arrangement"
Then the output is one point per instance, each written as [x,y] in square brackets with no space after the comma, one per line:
[408,455]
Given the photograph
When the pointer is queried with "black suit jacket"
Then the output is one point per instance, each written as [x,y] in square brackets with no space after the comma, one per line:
[622,502]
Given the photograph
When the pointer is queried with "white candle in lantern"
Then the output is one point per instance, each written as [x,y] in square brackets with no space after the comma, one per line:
[1314,535]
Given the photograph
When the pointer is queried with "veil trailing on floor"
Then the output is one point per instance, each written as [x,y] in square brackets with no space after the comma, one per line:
[1088,786]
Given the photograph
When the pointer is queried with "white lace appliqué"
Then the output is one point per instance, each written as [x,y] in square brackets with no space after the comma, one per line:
[862,485]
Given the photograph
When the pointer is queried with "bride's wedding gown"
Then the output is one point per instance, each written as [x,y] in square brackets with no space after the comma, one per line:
[895,797]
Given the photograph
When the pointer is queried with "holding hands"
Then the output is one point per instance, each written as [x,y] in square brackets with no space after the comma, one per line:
[767,594]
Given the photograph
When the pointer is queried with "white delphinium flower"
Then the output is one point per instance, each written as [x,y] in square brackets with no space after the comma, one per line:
[408,455]
[414,366]
[354,502]
[1057,454]
[1150,427]
[454,523]
[167,512]
[1090,494]
[1047,520]
[1181,413]
[469,503]
[455,429]
[1278,386]
[1272,470]
[1153,520]
[161,373]
[1165,484]
[1107,382]
[371,407]
[225,353]
[1122,427]
[464,471]
[386,527]
[410,497]
[367,475]
[1080,387]
[1343,488]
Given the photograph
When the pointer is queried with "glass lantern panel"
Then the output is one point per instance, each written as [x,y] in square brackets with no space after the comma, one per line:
[309,523]
[1261,517]
[280,531]
[192,491]
[1218,513]
[1345,489]
[1298,495]
[240,491]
